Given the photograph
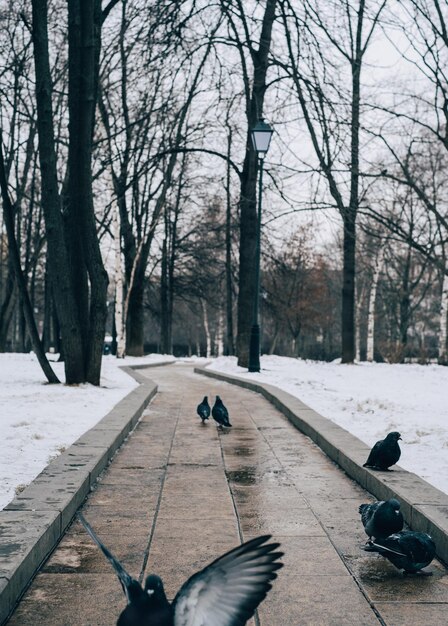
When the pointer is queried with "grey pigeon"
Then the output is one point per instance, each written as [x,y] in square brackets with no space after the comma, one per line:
[385,452]
[225,593]
[381,519]
[203,410]
[220,413]
[407,550]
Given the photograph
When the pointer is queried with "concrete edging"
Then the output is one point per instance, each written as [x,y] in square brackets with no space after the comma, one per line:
[32,524]
[424,507]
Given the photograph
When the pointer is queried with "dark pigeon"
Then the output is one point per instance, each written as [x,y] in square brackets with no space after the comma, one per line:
[220,413]
[225,593]
[384,453]
[381,519]
[203,410]
[407,550]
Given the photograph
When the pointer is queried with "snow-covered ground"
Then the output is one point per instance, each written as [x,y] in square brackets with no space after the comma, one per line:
[38,421]
[370,400]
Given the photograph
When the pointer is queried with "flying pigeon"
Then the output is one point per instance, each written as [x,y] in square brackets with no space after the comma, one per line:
[385,452]
[225,593]
[407,550]
[382,518]
[220,413]
[203,410]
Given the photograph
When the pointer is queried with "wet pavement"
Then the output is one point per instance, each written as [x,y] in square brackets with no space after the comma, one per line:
[178,494]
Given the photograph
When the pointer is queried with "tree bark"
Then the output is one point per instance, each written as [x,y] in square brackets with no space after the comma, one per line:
[73,249]
[405,303]
[208,340]
[84,28]
[8,304]
[164,315]
[57,253]
[372,300]
[348,290]
[135,316]
[248,196]
[119,340]
[229,285]
[443,355]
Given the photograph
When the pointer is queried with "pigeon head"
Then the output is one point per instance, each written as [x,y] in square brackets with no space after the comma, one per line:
[205,399]
[394,504]
[218,400]
[154,587]
[393,436]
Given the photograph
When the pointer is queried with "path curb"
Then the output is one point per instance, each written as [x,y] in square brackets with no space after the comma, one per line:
[424,507]
[32,524]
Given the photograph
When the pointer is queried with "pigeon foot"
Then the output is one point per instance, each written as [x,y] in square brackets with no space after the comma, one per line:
[419,573]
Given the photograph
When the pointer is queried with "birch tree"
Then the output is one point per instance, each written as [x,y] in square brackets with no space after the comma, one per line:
[377,269]
[118,280]
[443,325]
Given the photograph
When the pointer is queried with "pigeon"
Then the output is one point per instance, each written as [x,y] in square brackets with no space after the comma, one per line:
[203,410]
[382,518]
[220,413]
[225,593]
[385,452]
[407,550]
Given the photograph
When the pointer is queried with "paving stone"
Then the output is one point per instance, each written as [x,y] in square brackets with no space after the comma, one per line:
[412,613]
[316,601]
[70,600]
[26,539]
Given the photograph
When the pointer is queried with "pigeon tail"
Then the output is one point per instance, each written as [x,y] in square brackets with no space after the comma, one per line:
[127,582]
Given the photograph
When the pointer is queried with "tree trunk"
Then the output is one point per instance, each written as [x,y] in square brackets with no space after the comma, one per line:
[229,286]
[443,356]
[405,304]
[350,213]
[248,204]
[348,291]
[135,318]
[119,328]
[208,340]
[84,32]
[7,306]
[57,253]
[164,322]
[219,341]
[372,299]
[359,303]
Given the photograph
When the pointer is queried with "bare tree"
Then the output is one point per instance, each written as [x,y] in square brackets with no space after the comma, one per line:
[78,278]
[348,31]
[254,67]
[8,212]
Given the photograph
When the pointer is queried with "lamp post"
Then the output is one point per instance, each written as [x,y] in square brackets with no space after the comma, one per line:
[261,138]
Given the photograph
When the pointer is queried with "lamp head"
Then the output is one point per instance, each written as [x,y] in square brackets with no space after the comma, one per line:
[261,137]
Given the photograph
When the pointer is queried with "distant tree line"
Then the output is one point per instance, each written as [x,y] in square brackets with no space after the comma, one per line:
[129,181]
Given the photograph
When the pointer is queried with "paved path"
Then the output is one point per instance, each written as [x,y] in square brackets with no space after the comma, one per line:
[178,494]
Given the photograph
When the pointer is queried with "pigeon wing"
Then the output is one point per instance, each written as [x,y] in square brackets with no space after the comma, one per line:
[374,454]
[368,511]
[227,592]
[127,582]
[390,545]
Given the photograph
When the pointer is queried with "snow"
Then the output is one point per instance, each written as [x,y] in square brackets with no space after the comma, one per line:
[370,400]
[38,421]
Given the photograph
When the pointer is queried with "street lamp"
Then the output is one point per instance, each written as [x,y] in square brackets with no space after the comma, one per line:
[261,138]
